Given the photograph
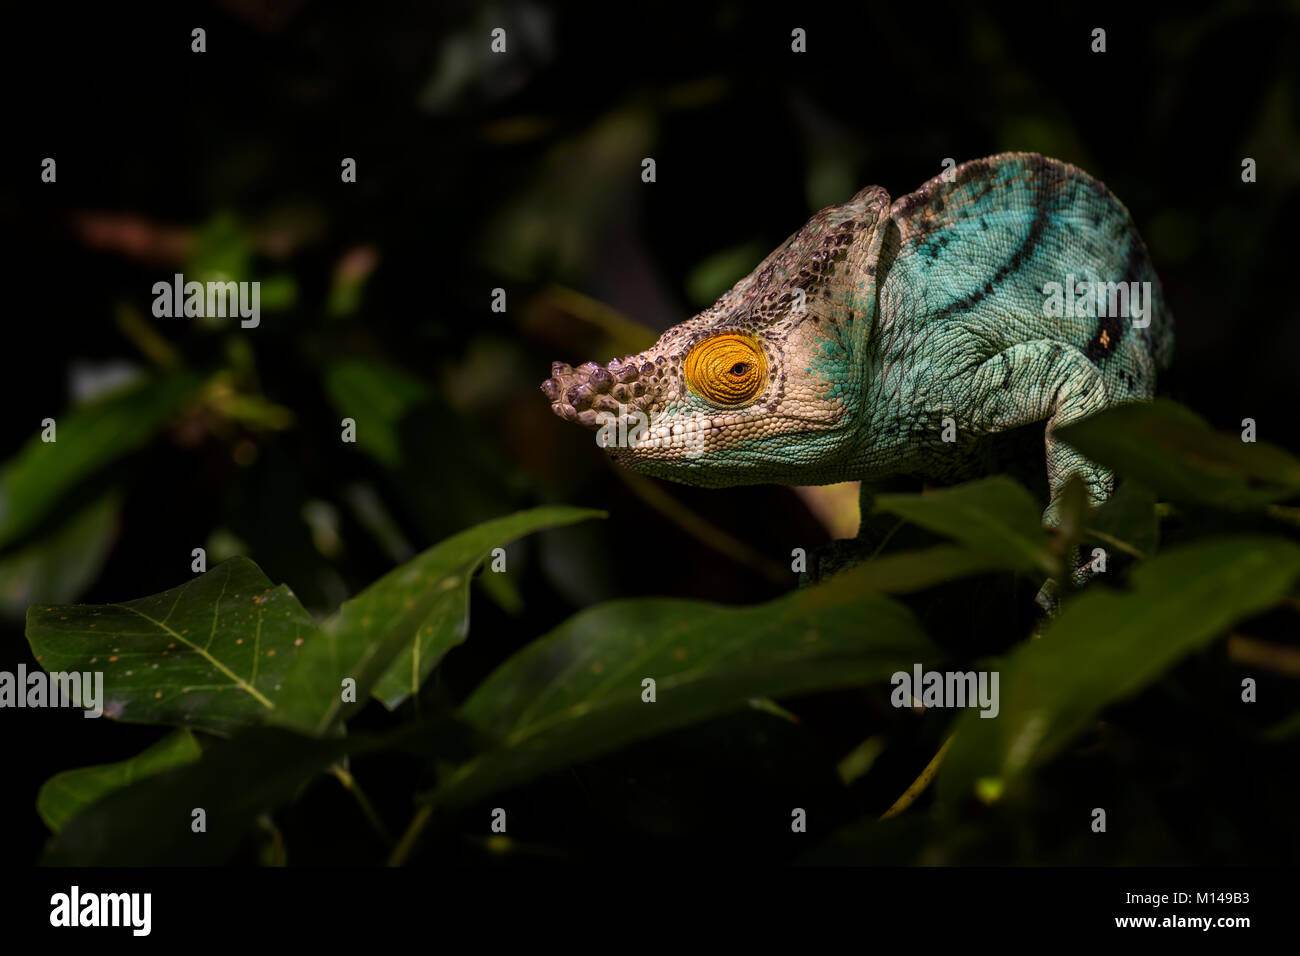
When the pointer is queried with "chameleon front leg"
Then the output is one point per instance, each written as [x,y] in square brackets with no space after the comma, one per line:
[1029,382]
[1046,380]
[1037,381]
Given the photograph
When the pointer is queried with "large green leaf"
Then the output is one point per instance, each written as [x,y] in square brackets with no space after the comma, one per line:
[1105,646]
[229,649]
[150,822]
[1180,457]
[210,654]
[66,794]
[391,635]
[906,571]
[577,692]
[994,516]
[86,439]
[445,625]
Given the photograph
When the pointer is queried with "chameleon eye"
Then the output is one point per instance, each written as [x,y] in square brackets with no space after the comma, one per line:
[727,369]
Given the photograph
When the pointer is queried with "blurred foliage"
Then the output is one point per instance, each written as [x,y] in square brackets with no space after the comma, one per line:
[478,172]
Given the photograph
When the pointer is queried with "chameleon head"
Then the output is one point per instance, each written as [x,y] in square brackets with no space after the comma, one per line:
[758,388]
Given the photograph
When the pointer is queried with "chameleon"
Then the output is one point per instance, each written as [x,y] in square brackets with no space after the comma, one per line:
[889,338]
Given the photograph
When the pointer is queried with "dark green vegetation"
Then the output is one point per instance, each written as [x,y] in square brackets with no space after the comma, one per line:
[524,174]
[1141,646]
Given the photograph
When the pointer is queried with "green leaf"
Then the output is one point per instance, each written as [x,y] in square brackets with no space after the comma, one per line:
[1126,521]
[577,692]
[1180,457]
[61,565]
[66,794]
[903,572]
[445,625]
[1106,646]
[391,635]
[229,649]
[210,654]
[149,822]
[87,439]
[994,516]
[376,395]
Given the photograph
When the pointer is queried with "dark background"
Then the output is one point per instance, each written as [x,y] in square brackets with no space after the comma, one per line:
[523,172]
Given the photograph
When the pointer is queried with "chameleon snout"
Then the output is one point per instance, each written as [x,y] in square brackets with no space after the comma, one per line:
[581,395]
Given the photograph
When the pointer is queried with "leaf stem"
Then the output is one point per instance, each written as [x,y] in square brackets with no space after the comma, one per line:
[350,784]
[885,540]
[412,835]
[703,530]
[1115,542]
[919,784]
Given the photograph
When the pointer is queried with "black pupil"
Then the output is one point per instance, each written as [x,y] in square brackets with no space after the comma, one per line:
[740,368]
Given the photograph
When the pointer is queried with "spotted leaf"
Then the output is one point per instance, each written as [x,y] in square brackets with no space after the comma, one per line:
[210,654]
[389,637]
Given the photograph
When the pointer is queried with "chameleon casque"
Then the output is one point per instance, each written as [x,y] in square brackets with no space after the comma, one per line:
[844,353]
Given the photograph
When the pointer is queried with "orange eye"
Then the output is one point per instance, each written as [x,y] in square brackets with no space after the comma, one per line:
[728,369]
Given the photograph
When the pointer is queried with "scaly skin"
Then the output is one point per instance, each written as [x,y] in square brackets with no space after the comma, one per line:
[928,309]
